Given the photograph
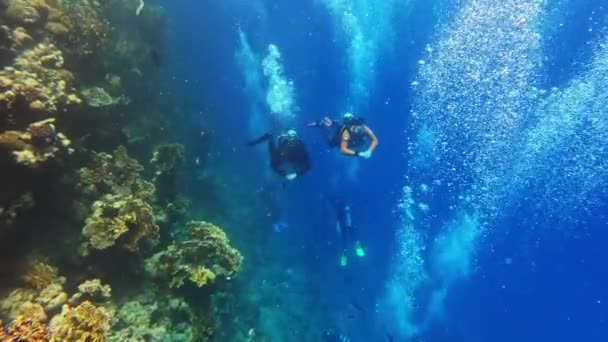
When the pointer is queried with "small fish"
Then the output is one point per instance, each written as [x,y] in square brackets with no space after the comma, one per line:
[197,161]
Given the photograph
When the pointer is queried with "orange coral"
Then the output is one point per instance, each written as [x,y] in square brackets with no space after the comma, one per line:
[25,329]
[39,275]
[84,323]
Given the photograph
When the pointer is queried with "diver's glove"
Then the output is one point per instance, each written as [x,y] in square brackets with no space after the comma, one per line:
[291,176]
[365,155]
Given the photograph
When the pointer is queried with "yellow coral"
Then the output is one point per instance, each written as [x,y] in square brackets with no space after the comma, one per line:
[201,276]
[84,323]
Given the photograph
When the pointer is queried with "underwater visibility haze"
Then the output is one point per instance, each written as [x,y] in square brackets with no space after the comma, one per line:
[320,170]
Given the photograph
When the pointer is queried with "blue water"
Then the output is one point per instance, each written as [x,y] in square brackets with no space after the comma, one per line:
[531,265]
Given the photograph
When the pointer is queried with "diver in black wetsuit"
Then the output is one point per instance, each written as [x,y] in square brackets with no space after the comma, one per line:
[288,155]
[344,225]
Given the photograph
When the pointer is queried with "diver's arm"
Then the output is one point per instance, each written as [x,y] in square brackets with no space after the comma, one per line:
[372,137]
[344,145]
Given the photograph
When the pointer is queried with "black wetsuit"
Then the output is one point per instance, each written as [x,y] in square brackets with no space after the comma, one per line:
[287,155]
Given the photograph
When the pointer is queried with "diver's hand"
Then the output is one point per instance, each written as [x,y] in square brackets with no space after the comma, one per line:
[291,176]
[365,155]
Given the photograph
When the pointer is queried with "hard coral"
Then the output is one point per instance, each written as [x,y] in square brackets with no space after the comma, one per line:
[25,329]
[37,80]
[39,275]
[84,323]
[91,290]
[116,173]
[204,255]
[38,144]
[121,219]
[81,23]
[25,12]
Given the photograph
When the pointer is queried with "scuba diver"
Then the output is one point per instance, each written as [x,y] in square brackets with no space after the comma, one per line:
[344,225]
[288,155]
[350,135]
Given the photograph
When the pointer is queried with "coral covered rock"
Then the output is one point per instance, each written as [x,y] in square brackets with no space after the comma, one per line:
[36,81]
[120,219]
[38,144]
[204,255]
[84,323]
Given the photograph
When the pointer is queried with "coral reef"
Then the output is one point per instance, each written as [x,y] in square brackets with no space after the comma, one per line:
[99,97]
[201,258]
[84,323]
[25,329]
[116,174]
[122,219]
[168,158]
[38,144]
[38,275]
[37,82]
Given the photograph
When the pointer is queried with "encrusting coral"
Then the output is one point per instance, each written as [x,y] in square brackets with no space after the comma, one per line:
[37,82]
[201,258]
[84,323]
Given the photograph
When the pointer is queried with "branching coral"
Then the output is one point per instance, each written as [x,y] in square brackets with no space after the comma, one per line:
[204,255]
[121,219]
[84,323]
[37,81]
[38,144]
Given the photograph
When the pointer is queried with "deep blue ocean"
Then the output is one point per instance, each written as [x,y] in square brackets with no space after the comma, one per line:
[483,209]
